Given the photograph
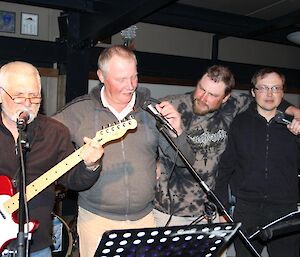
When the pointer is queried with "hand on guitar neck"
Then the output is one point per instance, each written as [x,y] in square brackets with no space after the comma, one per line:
[90,153]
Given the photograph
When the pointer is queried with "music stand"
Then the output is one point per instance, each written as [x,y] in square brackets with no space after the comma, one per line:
[205,240]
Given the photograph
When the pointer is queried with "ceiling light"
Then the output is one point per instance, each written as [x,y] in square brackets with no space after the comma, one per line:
[294,37]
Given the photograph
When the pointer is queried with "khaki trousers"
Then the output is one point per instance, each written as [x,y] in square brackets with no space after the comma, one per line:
[90,228]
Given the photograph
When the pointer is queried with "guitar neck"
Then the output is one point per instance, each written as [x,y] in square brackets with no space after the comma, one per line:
[38,185]
[103,136]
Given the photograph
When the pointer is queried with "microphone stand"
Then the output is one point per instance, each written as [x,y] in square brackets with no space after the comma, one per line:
[22,145]
[162,128]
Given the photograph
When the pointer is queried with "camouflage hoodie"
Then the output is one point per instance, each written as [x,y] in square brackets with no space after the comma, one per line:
[207,135]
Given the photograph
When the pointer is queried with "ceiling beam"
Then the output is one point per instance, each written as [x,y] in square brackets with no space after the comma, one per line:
[75,5]
[201,19]
[282,22]
[103,24]
[98,19]
[221,23]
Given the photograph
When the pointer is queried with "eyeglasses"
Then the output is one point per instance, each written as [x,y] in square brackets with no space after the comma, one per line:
[21,99]
[265,89]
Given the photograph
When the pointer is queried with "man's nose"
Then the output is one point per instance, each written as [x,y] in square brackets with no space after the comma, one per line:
[204,97]
[131,83]
[269,92]
[27,102]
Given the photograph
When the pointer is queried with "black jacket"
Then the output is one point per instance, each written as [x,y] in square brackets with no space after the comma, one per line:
[260,162]
[49,143]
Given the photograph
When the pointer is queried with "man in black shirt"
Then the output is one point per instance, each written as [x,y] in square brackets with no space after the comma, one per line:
[49,144]
[261,163]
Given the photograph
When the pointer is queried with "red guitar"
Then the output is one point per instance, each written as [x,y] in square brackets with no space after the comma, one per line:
[9,202]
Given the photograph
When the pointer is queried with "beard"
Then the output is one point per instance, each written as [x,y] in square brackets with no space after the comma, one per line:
[14,116]
[200,108]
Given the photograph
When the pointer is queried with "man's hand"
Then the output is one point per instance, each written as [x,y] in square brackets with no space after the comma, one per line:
[294,127]
[171,114]
[92,153]
[293,111]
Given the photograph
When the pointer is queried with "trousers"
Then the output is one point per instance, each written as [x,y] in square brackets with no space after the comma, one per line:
[91,228]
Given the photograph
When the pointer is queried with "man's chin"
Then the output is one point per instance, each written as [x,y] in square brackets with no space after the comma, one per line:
[201,110]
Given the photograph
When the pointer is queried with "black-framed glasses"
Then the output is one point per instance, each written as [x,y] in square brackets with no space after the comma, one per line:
[22,99]
[265,89]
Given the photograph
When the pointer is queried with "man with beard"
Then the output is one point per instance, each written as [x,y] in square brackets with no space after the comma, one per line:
[206,115]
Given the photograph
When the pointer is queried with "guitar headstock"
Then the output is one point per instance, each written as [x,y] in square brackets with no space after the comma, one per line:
[115,131]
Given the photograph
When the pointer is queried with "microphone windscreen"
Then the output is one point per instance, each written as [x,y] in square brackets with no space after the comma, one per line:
[282,118]
[149,101]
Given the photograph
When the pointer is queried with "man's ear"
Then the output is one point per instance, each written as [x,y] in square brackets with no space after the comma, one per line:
[100,75]
[252,92]
[226,98]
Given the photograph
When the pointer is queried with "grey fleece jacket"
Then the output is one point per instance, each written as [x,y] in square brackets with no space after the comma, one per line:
[126,186]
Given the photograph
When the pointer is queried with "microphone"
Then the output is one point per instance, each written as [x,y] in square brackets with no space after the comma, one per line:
[23,119]
[282,118]
[151,109]
[287,224]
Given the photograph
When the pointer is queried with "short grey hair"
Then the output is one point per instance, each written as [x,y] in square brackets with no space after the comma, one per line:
[117,50]
[17,67]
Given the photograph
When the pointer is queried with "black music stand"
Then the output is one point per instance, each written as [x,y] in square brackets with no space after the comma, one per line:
[205,240]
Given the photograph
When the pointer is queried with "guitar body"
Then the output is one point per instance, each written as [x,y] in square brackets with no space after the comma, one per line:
[8,222]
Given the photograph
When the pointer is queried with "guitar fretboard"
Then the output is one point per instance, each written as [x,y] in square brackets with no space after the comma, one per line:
[45,180]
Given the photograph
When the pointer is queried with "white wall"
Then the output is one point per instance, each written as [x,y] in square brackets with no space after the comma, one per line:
[167,40]
[260,53]
[47,21]
[173,41]
[49,89]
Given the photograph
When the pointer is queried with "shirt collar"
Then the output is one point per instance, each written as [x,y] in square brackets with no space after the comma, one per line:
[119,115]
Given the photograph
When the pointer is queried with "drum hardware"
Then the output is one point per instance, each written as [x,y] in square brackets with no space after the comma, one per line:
[62,238]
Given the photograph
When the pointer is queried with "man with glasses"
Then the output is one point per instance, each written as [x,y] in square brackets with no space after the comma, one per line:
[49,143]
[261,163]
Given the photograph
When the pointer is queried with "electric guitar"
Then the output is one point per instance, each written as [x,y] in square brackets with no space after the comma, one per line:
[9,202]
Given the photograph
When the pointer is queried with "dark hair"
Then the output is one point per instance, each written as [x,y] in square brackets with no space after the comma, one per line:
[219,73]
[265,71]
